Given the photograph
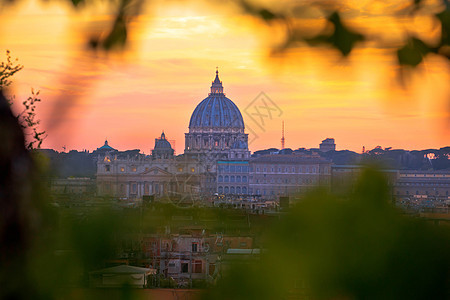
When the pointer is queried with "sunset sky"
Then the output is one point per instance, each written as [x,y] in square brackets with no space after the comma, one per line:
[170,61]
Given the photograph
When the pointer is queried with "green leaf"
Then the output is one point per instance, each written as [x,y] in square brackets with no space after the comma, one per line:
[267,15]
[76,2]
[118,35]
[412,53]
[342,38]
[444,18]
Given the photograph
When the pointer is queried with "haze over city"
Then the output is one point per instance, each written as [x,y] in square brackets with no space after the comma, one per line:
[239,149]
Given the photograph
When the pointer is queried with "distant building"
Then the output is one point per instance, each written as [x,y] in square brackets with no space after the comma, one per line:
[327,145]
[422,185]
[73,186]
[232,177]
[216,160]
[216,128]
[162,149]
[118,276]
[161,174]
[272,176]
[345,177]
[216,132]
[106,148]
[193,253]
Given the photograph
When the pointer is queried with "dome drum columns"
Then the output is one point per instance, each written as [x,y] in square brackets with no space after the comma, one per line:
[217,125]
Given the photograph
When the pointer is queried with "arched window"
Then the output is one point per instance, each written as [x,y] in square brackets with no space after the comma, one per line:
[226,178]
[238,178]
[220,190]
[232,190]
[238,190]
[244,190]
[232,178]
[244,178]
[226,190]
[220,178]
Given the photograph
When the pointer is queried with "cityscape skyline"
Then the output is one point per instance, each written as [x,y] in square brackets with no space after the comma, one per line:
[157,81]
[237,149]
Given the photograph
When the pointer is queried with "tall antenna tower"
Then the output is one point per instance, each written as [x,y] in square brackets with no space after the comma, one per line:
[282,135]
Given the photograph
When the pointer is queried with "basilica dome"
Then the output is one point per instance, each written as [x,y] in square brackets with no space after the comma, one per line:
[216,111]
[216,129]
[162,143]
[162,149]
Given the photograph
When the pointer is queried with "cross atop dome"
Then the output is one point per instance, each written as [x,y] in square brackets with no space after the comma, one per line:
[216,87]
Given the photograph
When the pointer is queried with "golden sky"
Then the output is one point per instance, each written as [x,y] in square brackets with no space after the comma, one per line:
[168,66]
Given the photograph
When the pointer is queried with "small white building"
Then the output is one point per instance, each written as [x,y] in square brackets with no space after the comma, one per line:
[120,275]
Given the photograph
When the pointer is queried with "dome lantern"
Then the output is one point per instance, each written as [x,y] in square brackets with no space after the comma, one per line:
[216,87]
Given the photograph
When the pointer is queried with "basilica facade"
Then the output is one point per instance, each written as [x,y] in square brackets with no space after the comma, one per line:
[216,132]
[216,160]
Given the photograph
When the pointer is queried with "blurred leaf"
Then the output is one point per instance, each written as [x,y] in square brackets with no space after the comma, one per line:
[412,53]
[118,35]
[77,2]
[267,15]
[343,39]
[263,13]
[444,18]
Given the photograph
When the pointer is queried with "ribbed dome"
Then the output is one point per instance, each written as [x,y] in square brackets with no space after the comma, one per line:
[162,143]
[216,110]
[106,147]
